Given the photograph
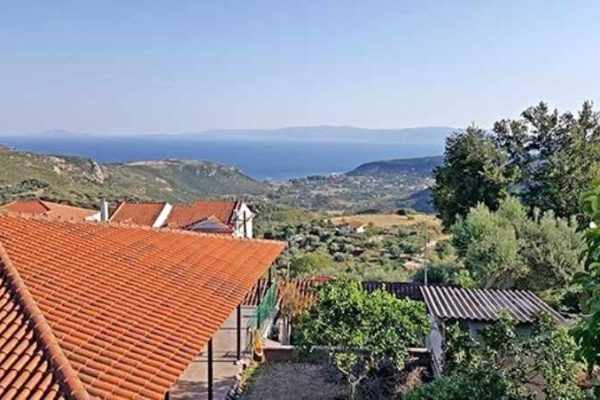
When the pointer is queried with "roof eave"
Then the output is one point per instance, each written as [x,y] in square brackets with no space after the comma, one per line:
[68,378]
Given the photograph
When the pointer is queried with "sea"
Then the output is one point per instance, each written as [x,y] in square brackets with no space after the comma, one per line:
[261,159]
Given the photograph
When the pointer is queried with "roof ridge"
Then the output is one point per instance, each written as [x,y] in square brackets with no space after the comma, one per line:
[43,203]
[2,206]
[110,217]
[50,218]
[56,203]
[58,362]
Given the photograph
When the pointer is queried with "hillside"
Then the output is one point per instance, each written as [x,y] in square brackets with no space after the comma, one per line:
[422,166]
[378,185]
[83,181]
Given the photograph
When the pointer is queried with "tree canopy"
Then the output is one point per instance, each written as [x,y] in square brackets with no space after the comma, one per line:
[545,158]
[509,249]
[363,332]
[473,172]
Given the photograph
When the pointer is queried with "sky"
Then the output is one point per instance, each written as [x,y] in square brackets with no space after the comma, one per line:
[186,66]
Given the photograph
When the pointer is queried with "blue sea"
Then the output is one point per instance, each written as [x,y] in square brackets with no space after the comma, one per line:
[260,159]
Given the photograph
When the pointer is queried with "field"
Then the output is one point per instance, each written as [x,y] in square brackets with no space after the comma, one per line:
[387,221]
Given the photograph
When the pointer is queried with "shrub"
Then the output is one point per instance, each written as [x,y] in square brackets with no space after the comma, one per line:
[506,365]
[508,249]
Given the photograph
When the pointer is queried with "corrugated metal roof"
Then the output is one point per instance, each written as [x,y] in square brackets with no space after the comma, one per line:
[402,290]
[453,303]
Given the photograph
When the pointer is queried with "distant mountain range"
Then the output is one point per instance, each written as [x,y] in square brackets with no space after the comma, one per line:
[323,133]
[348,134]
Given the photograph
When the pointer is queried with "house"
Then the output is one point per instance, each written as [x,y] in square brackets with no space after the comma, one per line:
[352,226]
[51,209]
[222,217]
[103,311]
[474,309]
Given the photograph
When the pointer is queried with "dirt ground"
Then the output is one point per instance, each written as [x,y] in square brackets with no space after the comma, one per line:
[293,381]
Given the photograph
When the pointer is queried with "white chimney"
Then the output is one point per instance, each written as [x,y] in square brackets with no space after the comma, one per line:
[104,211]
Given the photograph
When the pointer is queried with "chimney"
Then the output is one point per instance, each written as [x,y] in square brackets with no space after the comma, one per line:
[103,211]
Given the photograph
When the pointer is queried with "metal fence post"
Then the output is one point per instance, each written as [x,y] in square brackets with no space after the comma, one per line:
[210,369]
[239,332]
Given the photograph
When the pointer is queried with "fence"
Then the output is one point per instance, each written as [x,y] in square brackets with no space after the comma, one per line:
[265,308]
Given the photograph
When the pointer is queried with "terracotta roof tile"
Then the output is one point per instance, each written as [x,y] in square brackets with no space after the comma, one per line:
[137,213]
[22,354]
[183,215]
[48,208]
[180,216]
[128,306]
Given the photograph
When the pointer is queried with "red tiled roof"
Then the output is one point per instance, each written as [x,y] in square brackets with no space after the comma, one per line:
[183,215]
[121,311]
[137,213]
[48,208]
[24,355]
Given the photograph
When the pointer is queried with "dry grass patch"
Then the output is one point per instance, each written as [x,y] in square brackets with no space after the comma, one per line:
[300,381]
[433,224]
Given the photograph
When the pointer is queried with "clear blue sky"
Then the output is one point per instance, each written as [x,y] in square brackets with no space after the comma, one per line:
[171,66]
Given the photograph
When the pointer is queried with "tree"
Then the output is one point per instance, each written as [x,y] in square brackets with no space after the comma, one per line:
[555,156]
[488,247]
[363,332]
[309,264]
[587,331]
[544,158]
[473,172]
[508,248]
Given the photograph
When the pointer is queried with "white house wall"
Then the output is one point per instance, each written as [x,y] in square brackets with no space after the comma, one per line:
[162,216]
[241,212]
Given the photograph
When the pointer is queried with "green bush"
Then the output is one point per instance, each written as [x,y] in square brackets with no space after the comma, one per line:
[508,249]
[507,364]
[479,384]
[309,264]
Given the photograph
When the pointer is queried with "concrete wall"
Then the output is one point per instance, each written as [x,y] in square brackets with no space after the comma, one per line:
[435,344]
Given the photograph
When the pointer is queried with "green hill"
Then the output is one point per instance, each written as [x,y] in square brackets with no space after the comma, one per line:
[414,166]
[82,181]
